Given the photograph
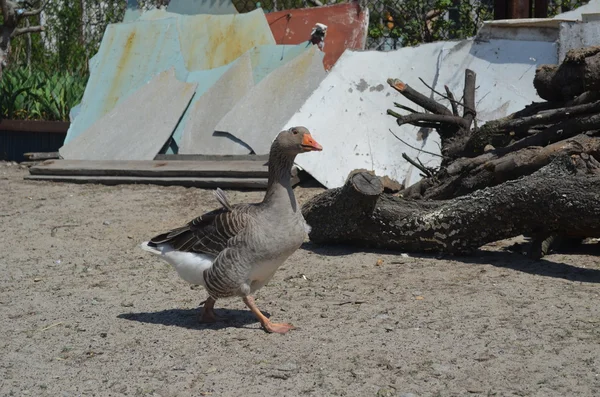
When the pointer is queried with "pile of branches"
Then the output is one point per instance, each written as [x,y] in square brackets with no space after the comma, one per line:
[535,172]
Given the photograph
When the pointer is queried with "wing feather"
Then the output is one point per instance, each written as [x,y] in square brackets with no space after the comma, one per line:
[208,233]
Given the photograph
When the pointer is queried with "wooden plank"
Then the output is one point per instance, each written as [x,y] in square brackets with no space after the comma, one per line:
[53,127]
[206,183]
[216,157]
[41,155]
[153,168]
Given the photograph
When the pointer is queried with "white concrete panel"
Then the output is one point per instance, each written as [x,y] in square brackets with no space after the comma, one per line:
[347,112]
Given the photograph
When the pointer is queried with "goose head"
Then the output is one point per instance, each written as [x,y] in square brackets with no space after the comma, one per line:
[296,140]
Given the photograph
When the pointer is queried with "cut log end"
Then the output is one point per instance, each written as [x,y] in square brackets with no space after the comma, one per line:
[366,183]
[397,84]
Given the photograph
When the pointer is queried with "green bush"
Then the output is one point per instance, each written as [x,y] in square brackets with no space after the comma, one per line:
[37,95]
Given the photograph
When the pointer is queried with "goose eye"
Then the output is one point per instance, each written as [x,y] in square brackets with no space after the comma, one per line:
[295,132]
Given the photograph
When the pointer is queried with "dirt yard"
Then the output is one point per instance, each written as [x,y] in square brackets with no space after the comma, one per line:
[87,313]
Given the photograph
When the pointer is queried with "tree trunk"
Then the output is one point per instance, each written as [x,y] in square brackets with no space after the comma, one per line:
[5,35]
[562,197]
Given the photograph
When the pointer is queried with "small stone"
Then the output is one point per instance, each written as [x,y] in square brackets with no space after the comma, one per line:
[106,223]
[280,375]
[386,392]
[323,315]
[289,366]
[127,304]
[103,334]
[36,280]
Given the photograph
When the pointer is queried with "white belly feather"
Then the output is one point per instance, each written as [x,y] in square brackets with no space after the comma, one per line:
[190,266]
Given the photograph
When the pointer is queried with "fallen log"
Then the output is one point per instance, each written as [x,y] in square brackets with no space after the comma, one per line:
[579,72]
[560,198]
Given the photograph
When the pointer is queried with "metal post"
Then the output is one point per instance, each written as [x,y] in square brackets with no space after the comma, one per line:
[541,9]
[519,9]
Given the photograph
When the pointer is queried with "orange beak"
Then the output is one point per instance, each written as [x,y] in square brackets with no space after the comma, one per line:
[310,144]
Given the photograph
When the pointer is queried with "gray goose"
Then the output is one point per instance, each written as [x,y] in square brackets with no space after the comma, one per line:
[236,249]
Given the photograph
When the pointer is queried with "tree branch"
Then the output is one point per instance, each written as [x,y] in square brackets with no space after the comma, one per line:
[408,109]
[418,98]
[453,101]
[420,167]
[30,29]
[469,112]
[543,117]
[557,132]
[413,147]
[4,8]
[416,118]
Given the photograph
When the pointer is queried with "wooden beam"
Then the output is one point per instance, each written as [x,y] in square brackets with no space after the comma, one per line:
[153,168]
[206,183]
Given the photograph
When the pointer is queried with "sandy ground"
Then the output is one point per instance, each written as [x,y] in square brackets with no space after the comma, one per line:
[87,313]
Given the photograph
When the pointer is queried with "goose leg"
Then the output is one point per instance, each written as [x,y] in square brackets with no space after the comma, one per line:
[208,314]
[280,328]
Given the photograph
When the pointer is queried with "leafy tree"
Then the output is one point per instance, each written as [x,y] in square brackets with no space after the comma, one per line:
[14,15]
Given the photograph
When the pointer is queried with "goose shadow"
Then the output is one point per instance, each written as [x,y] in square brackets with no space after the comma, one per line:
[545,267]
[189,318]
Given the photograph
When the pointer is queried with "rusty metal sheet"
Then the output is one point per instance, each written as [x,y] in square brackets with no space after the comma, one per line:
[137,128]
[260,115]
[205,112]
[195,132]
[132,53]
[347,26]
[129,56]
[210,41]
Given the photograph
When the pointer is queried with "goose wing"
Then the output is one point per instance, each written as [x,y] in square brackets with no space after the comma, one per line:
[209,233]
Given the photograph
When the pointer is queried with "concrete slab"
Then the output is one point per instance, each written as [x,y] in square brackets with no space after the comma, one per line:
[528,29]
[206,110]
[137,128]
[592,7]
[347,26]
[347,112]
[577,35]
[260,115]
[208,107]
